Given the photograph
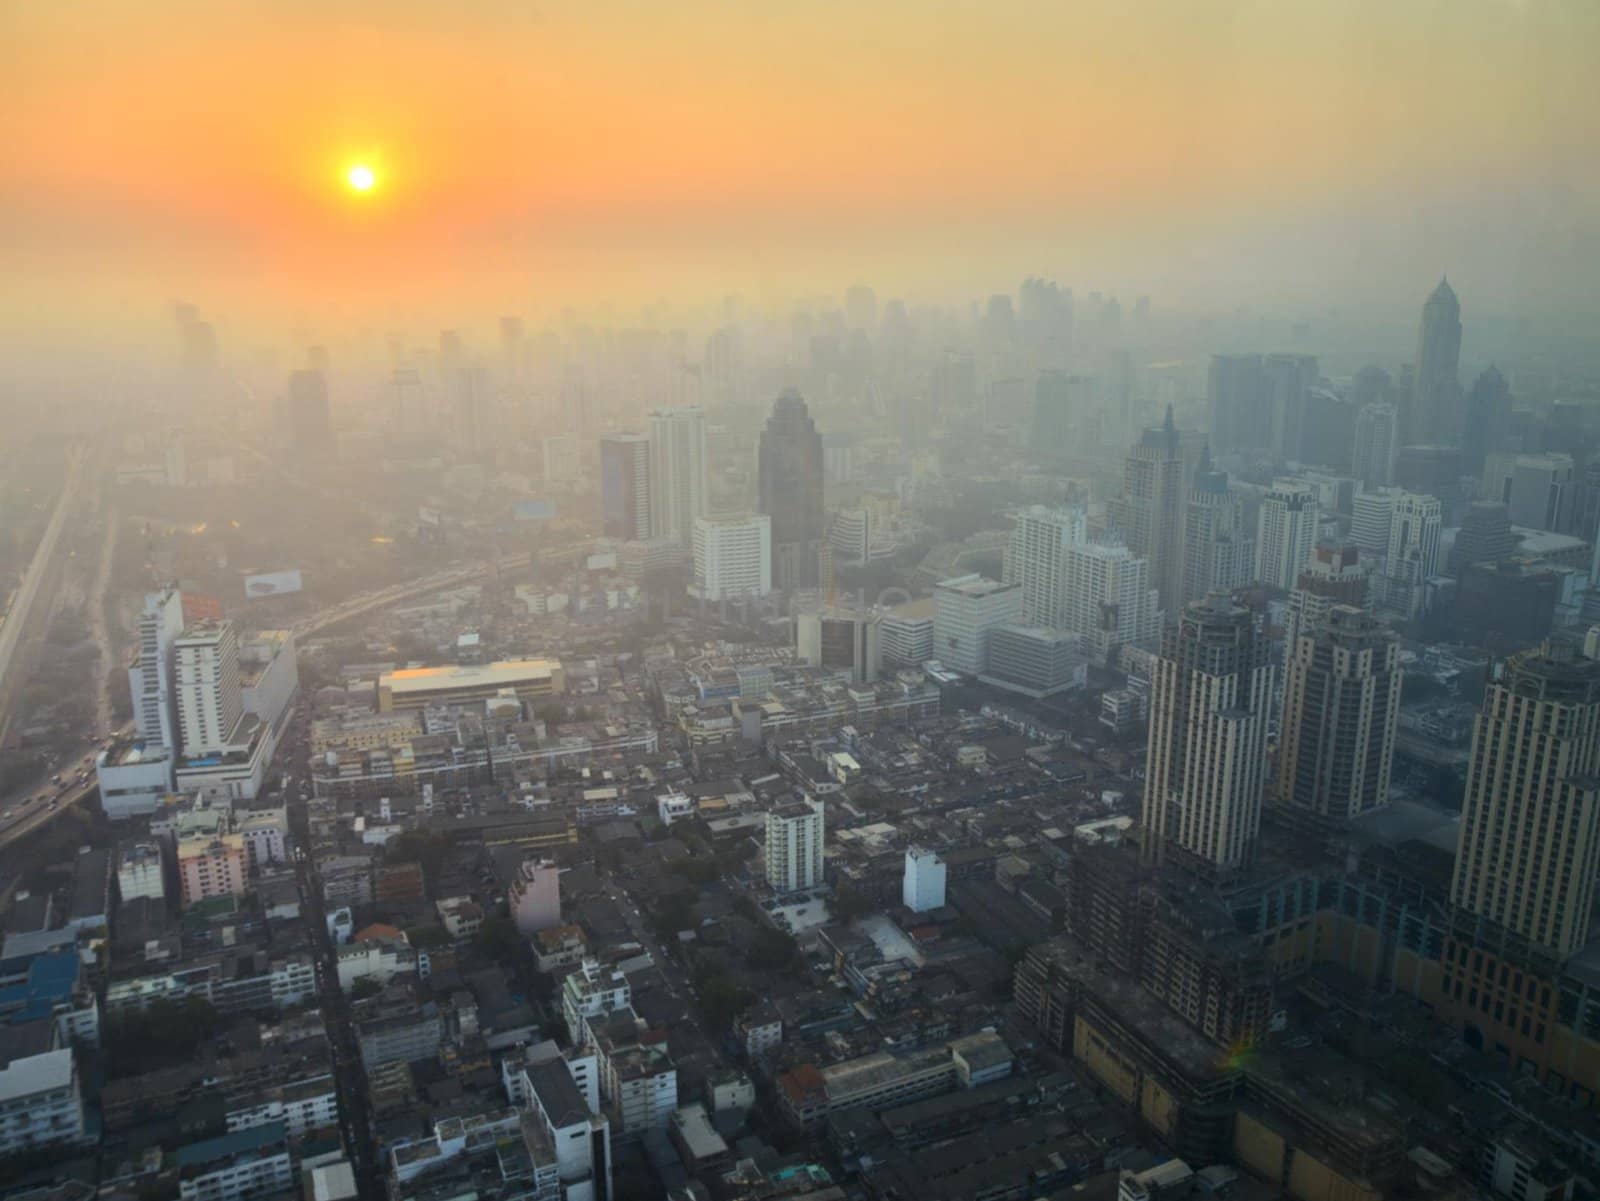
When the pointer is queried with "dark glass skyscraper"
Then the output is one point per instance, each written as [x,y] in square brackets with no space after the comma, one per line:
[1487,421]
[789,483]
[1435,410]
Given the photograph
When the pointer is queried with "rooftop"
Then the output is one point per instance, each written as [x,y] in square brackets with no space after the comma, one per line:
[488,675]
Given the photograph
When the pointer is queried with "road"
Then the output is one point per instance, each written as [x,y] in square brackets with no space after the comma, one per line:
[437,582]
[97,622]
[21,614]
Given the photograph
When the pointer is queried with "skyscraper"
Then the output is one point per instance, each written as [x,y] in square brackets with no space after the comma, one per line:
[625,486]
[1286,531]
[1487,420]
[1529,850]
[794,845]
[1036,561]
[1413,552]
[1206,762]
[150,676]
[1150,511]
[1377,445]
[1335,575]
[1237,396]
[309,427]
[1341,707]
[1109,599]
[966,610]
[1286,381]
[677,472]
[210,698]
[1435,410]
[789,484]
[732,557]
[1218,552]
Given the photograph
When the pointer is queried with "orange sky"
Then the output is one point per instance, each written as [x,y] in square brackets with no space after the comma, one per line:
[533,154]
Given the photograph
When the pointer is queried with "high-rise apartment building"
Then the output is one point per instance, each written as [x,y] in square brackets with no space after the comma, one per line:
[1150,512]
[732,557]
[1341,708]
[1529,851]
[922,886]
[1287,380]
[1110,601]
[677,472]
[1412,552]
[794,845]
[1434,415]
[966,610]
[1286,530]
[1036,561]
[1218,552]
[150,677]
[210,698]
[1207,751]
[625,486]
[1377,445]
[1336,575]
[789,485]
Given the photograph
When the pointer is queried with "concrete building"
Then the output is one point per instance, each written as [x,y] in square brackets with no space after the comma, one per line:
[1341,709]
[625,487]
[41,1098]
[1530,821]
[922,887]
[1206,764]
[1033,661]
[1336,575]
[850,537]
[794,841]
[150,677]
[139,872]
[578,1133]
[677,472]
[1150,513]
[211,867]
[420,687]
[134,777]
[563,463]
[207,688]
[906,633]
[1434,414]
[1377,445]
[592,992]
[1285,533]
[1218,551]
[844,641]
[789,474]
[1110,600]
[732,557]
[1036,561]
[265,833]
[535,896]
[1539,490]
[1412,556]
[966,609]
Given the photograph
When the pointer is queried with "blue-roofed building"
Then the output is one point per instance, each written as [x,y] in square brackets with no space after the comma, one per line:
[52,987]
[242,1164]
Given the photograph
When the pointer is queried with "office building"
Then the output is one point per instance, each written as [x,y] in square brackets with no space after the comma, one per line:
[677,472]
[1150,513]
[966,609]
[844,641]
[1218,551]
[139,872]
[207,689]
[732,557]
[535,896]
[1377,445]
[563,464]
[1529,849]
[1036,561]
[1110,601]
[850,537]
[1435,410]
[1537,489]
[905,633]
[1286,530]
[1053,415]
[922,887]
[794,845]
[1484,537]
[1373,515]
[1034,661]
[310,427]
[789,487]
[1486,423]
[150,677]
[465,684]
[625,487]
[1432,470]
[1336,575]
[1207,750]
[1287,380]
[1412,553]
[1341,708]
[1236,394]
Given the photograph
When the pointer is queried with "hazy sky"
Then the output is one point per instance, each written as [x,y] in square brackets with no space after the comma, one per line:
[532,154]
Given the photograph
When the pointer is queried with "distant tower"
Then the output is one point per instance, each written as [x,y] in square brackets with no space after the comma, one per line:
[1037,560]
[1286,532]
[677,472]
[1435,412]
[1207,756]
[1218,552]
[1530,822]
[1341,708]
[1336,575]
[1377,445]
[789,484]
[1487,420]
[1150,511]
[309,424]
[1237,396]
[625,486]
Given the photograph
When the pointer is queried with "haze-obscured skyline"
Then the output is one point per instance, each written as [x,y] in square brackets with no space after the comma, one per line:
[533,157]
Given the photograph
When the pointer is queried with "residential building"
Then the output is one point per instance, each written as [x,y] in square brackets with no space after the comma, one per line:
[41,1097]
[591,992]
[1218,551]
[966,609]
[211,867]
[231,1167]
[922,887]
[1285,533]
[677,472]
[732,557]
[1377,445]
[535,896]
[139,872]
[1110,600]
[1036,561]
[1530,821]
[1412,556]
[150,680]
[1336,575]
[1341,709]
[1206,763]
[794,841]
[1150,513]
[207,689]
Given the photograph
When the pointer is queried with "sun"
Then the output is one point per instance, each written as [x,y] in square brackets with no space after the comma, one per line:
[361,177]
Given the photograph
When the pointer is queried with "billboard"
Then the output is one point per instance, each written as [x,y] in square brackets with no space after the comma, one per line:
[534,510]
[272,583]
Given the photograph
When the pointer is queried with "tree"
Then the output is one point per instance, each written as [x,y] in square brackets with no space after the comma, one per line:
[417,846]
[164,1032]
[850,903]
[675,912]
[499,939]
[721,1001]
[364,988]
[772,951]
